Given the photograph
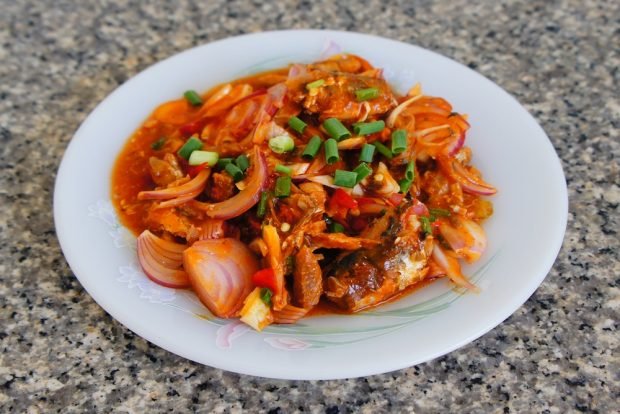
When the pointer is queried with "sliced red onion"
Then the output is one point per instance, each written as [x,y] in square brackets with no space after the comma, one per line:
[162,260]
[331,48]
[468,182]
[391,119]
[197,184]
[220,272]
[289,314]
[419,208]
[456,144]
[466,238]
[452,268]
[246,198]
[179,200]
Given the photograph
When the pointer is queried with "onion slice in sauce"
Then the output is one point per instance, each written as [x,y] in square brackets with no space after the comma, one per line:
[452,268]
[289,314]
[466,238]
[246,198]
[468,181]
[162,260]
[220,272]
[195,185]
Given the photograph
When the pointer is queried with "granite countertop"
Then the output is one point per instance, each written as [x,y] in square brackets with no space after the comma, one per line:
[60,352]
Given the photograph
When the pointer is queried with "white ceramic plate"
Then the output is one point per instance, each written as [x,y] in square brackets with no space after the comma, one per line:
[513,152]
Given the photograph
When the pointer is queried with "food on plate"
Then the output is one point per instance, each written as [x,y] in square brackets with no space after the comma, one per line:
[273,195]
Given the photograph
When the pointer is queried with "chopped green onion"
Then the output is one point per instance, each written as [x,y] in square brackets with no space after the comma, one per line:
[297,124]
[405,184]
[316,84]
[410,171]
[399,141]
[344,178]
[234,171]
[202,157]
[336,227]
[158,144]
[367,128]
[242,162]
[312,148]
[331,151]
[261,210]
[223,162]
[281,144]
[368,151]
[193,98]
[190,146]
[335,129]
[265,296]
[362,171]
[439,212]
[283,187]
[426,225]
[366,94]
[283,169]
[383,150]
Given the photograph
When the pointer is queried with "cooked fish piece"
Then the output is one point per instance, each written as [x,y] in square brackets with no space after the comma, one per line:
[367,277]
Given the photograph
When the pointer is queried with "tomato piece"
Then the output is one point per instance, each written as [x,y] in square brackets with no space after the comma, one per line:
[192,128]
[193,170]
[343,199]
[265,278]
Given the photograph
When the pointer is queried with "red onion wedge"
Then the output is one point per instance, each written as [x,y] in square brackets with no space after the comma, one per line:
[246,198]
[162,260]
[452,268]
[195,185]
[220,272]
[468,181]
[289,314]
[466,238]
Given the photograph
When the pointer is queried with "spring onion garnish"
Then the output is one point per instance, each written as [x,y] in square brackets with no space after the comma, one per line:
[158,144]
[312,148]
[383,150]
[336,227]
[193,98]
[362,171]
[405,184]
[234,171]
[283,187]
[316,84]
[281,144]
[222,162]
[190,146]
[265,296]
[242,162]
[202,157]
[366,94]
[410,171]
[261,210]
[439,212]
[331,151]
[399,141]
[367,128]
[344,178]
[426,225]
[283,169]
[368,151]
[335,128]
[297,124]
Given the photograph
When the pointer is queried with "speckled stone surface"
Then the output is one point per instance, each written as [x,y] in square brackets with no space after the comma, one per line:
[60,352]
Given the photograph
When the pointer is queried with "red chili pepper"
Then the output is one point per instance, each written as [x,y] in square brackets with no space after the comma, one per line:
[193,170]
[192,128]
[265,278]
[342,199]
